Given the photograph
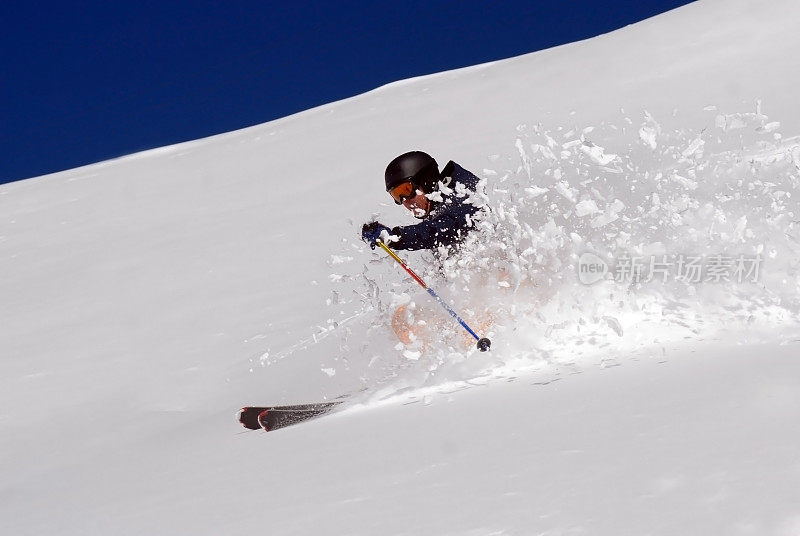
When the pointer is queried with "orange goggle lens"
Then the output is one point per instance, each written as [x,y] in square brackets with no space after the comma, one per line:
[402,192]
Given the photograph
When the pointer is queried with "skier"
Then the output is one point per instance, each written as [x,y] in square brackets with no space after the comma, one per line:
[445,203]
[442,200]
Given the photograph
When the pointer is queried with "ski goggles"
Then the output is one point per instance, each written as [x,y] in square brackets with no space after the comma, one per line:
[404,191]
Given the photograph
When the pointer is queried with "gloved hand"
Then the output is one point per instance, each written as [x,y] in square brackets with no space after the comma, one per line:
[371,233]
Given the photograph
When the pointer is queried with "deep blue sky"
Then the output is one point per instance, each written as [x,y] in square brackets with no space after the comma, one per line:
[82,82]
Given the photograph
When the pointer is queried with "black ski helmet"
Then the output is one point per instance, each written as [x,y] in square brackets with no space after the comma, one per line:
[415,166]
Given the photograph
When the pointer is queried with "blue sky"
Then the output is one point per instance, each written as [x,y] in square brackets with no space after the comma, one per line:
[88,81]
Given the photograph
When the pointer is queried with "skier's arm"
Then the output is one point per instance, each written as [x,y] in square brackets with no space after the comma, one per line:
[444,230]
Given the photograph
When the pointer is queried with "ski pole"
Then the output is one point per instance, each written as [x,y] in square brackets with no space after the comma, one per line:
[483,342]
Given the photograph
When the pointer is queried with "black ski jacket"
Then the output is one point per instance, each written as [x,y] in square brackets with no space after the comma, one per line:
[449,220]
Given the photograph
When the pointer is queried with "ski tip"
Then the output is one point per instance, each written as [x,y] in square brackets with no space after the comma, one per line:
[248,417]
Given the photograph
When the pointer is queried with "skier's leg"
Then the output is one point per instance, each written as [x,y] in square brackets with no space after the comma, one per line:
[402,322]
[413,324]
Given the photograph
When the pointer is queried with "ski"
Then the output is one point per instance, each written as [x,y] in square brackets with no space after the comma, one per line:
[282,416]
[274,417]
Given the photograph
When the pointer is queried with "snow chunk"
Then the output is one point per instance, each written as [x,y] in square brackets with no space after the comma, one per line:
[526,161]
[564,189]
[730,122]
[597,153]
[696,147]
[340,259]
[649,131]
[741,225]
[585,207]
[614,324]
[436,195]
[769,127]
[648,136]
[544,151]
[795,152]
[687,183]
[412,355]
[387,238]
[535,191]
[610,215]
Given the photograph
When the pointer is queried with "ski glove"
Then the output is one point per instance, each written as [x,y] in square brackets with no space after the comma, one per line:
[371,233]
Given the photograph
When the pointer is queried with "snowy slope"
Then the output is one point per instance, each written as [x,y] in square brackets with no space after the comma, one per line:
[145,299]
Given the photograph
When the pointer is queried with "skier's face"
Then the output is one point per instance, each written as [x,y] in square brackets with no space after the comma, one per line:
[419,205]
